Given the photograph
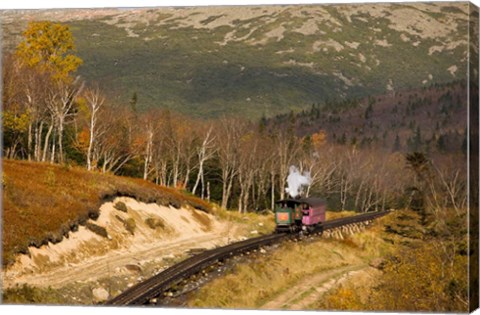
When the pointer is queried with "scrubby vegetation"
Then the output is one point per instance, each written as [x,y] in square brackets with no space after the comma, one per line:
[417,272]
[423,251]
[253,284]
[99,230]
[26,294]
[423,271]
[238,163]
[120,206]
[130,225]
[155,223]
[43,202]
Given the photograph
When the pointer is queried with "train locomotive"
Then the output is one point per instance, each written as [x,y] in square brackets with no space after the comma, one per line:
[299,215]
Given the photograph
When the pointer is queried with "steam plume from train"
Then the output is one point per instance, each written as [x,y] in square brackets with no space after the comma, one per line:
[296,181]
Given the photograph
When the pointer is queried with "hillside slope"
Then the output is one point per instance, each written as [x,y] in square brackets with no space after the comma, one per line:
[42,202]
[139,240]
[261,60]
[77,237]
[430,120]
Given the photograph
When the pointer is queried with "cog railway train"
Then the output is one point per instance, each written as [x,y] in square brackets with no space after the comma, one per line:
[299,215]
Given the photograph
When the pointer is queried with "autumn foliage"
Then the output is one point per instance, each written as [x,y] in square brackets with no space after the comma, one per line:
[420,272]
[49,47]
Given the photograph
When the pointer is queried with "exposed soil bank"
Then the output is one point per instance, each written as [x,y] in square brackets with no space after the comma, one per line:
[142,234]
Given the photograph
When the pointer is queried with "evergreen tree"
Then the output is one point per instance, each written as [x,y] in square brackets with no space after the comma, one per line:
[415,142]
[353,141]
[396,144]
[464,147]
[441,144]
[307,144]
[262,125]
[292,122]
[369,111]
[133,102]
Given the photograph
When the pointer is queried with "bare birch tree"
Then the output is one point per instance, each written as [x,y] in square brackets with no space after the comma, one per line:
[228,134]
[95,101]
[204,152]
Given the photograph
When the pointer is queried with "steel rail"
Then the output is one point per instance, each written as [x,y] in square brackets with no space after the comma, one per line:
[156,285]
[331,224]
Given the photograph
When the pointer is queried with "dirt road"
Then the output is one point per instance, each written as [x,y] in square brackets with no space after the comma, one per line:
[85,256]
[114,262]
[310,289]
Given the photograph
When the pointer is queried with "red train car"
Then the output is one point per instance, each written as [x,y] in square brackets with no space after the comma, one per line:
[314,211]
[299,214]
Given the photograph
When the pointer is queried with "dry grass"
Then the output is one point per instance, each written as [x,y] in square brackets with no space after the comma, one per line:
[332,215]
[203,219]
[247,222]
[43,202]
[420,273]
[253,284]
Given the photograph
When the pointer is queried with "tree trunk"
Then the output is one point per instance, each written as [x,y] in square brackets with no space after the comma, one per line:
[38,141]
[176,167]
[187,177]
[199,175]
[52,157]
[224,188]
[208,191]
[203,185]
[46,143]
[224,195]
[148,155]
[90,142]
[273,191]
[60,140]
[29,142]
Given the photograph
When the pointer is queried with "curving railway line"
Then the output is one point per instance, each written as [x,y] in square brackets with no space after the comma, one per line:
[156,285]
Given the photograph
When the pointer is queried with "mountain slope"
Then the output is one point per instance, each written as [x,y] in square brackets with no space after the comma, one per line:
[428,119]
[262,60]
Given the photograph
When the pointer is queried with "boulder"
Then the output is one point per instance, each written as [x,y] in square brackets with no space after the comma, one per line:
[378,263]
[134,268]
[100,294]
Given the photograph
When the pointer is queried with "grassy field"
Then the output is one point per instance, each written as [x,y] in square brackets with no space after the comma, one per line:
[43,202]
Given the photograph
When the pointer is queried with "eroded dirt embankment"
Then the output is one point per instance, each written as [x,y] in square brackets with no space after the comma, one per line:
[137,235]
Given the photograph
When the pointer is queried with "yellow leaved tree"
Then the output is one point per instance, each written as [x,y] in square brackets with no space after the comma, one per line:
[47,62]
[49,47]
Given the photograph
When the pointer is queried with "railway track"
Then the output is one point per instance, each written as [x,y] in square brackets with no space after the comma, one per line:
[156,285]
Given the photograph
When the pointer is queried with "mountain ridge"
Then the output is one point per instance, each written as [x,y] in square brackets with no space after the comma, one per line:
[261,60]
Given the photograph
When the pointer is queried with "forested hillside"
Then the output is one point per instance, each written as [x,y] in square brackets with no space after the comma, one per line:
[429,119]
[352,149]
[254,60]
